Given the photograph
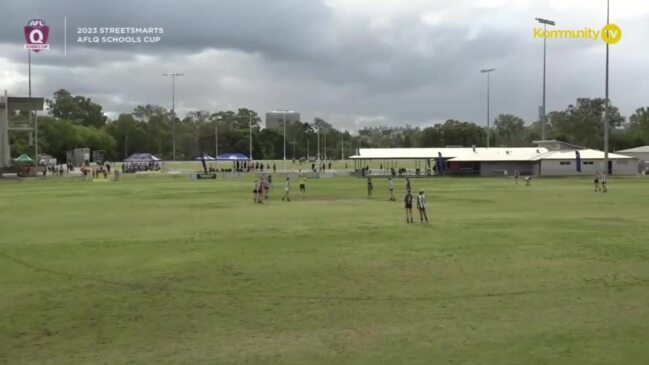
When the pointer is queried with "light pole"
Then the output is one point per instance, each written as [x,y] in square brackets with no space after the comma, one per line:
[216,135]
[284,112]
[488,71]
[318,154]
[324,141]
[606,101]
[173,76]
[250,133]
[31,113]
[545,23]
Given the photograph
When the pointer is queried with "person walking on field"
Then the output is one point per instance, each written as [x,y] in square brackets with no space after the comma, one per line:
[260,191]
[391,187]
[528,180]
[408,204]
[596,182]
[370,187]
[266,187]
[255,190]
[421,205]
[408,187]
[517,174]
[287,187]
[604,189]
[302,185]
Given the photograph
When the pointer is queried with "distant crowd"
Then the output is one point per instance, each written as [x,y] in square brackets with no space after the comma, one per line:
[133,167]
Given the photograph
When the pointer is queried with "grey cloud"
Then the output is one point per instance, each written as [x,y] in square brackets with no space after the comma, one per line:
[297,54]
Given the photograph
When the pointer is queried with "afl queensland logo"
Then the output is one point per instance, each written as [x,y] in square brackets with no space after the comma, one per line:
[36,34]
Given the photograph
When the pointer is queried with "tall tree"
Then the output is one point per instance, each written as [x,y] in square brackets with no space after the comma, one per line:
[639,126]
[582,124]
[510,130]
[76,108]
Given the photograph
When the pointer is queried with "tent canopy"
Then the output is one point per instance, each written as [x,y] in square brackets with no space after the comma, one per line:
[205,157]
[231,156]
[24,158]
[141,157]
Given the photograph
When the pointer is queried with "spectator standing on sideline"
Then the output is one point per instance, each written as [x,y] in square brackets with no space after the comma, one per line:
[391,188]
[370,187]
[421,205]
[408,187]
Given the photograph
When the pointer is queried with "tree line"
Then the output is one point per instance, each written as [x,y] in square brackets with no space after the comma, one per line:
[75,121]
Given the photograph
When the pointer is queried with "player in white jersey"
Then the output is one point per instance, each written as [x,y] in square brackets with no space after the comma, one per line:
[255,190]
[421,205]
[287,188]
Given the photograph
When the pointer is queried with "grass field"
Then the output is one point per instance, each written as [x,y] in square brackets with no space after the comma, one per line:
[171,271]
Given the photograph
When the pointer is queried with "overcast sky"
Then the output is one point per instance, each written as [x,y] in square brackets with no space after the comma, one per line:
[352,62]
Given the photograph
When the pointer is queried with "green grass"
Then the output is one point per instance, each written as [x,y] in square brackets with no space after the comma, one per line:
[171,271]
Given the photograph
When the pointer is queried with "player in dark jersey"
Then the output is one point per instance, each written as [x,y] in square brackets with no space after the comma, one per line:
[596,182]
[408,204]
[370,187]
[302,185]
[255,191]
[517,174]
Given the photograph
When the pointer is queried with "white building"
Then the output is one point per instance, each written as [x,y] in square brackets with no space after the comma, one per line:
[641,153]
[550,158]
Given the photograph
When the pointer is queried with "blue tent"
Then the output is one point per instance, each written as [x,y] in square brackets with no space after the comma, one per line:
[232,157]
[205,157]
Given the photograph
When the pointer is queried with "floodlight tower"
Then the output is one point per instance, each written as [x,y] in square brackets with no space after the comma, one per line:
[606,101]
[488,71]
[545,23]
[173,76]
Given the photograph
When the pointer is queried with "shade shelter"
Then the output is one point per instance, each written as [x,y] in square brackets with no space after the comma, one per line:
[24,159]
[141,157]
[236,158]
[141,162]
[205,157]
[232,156]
